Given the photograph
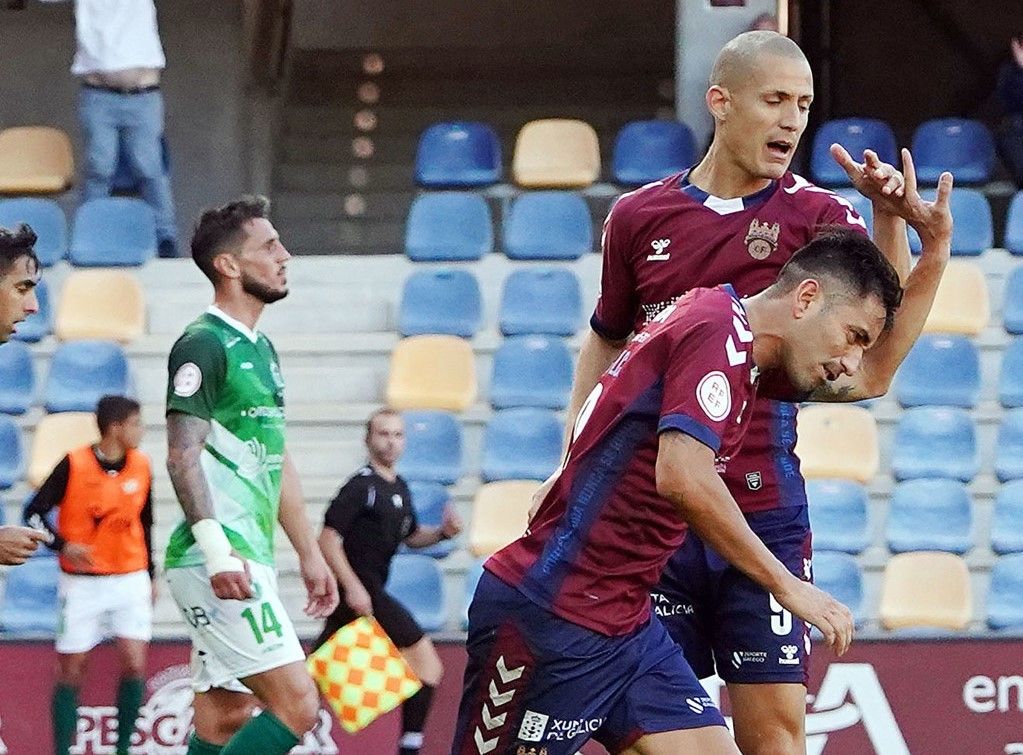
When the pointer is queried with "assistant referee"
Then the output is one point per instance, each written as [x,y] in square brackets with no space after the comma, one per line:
[370,516]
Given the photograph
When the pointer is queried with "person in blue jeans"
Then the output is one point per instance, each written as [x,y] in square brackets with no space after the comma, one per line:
[118,60]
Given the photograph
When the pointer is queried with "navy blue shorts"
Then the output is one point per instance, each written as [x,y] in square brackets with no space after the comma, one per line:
[536,683]
[725,621]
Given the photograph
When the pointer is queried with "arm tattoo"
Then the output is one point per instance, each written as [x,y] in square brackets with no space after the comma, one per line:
[186,436]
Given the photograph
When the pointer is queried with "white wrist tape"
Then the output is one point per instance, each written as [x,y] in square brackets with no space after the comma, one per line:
[215,546]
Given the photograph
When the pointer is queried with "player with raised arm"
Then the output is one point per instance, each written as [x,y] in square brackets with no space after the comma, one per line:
[235,480]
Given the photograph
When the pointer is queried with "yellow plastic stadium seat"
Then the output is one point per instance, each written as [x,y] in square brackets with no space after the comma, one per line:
[101,304]
[55,435]
[556,153]
[926,589]
[837,441]
[961,304]
[432,372]
[500,513]
[35,160]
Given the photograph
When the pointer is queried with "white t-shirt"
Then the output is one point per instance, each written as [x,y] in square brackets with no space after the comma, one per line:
[115,35]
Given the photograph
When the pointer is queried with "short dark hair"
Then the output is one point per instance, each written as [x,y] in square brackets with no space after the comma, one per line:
[16,243]
[385,411]
[113,409]
[219,226]
[851,258]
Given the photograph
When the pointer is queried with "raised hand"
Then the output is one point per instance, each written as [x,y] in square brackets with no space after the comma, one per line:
[932,220]
[875,179]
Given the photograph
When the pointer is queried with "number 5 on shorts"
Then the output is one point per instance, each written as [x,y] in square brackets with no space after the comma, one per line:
[268,619]
[781,619]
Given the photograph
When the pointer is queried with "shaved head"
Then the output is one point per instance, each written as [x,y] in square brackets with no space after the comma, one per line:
[744,53]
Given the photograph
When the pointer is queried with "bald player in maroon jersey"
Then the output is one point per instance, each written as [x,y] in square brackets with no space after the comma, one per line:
[736,218]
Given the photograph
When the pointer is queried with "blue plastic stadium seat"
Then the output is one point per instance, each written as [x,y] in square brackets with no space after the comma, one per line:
[1009,453]
[930,515]
[30,597]
[39,325]
[521,444]
[646,151]
[126,179]
[472,578]
[417,583]
[441,302]
[531,371]
[838,515]
[429,500]
[964,147]
[861,204]
[1005,594]
[433,448]
[1007,520]
[12,453]
[459,154]
[856,135]
[973,232]
[548,225]
[940,370]
[1012,302]
[17,378]
[1010,382]
[932,441]
[448,226]
[1014,225]
[47,220]
[113,232]
[82,372]
[541,300]
[840,576]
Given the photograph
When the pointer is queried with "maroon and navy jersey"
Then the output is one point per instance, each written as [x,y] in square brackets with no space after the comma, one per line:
[599,540]
[670,236]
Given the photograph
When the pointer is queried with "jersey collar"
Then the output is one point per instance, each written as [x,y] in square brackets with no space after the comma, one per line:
[216,311]
[726,206]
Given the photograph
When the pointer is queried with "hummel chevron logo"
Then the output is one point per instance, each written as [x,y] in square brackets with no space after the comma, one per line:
[492,722]
[506,674]
[659,255]
[497,699]
[484,745]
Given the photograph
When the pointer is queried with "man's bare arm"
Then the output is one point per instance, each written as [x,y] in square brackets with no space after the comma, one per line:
[186,438]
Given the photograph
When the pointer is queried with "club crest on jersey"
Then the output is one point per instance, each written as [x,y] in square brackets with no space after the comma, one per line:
[762,239]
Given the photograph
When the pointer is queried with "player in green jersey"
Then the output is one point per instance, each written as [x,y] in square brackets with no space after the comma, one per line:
[234,479]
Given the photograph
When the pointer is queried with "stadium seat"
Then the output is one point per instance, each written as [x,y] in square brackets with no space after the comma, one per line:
[837,441]
[442,302]
[40,324]
[432,372]
[55,435]
[35,160]
[540,300]
[856,135]
[926,589]
[47,220]
[1007,520]
[113,232]
[448,226]
[30,604]
[939,371]
[82,372]
[1012,302]
[125,179]
[521,444]
[973,232]
[838,515]
[1014,225]
[12,453]
[17,378]
[418,584]
[839,575]
[961,304]
[500,512]
[1005,594]
[861,204]
[930,515]
[472,578]
[1010,382]
[556,153]
[433,448]
[103,304]
[1009,449]
[646,151]
[933,441]
[548,225]
[964,147]
[460,154]
[429,500]
[530,371]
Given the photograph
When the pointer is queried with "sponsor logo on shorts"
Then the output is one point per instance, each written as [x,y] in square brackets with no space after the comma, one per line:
[790,655]
[533,726]
[740,657]
[540,727]
[700,704]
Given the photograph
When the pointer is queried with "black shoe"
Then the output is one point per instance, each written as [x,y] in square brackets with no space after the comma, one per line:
[167,248]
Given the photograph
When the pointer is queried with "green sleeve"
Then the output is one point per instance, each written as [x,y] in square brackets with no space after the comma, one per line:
[195,374]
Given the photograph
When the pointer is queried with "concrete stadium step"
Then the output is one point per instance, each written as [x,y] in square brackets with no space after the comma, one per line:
[342,177]
[362,205]
[339,237]
[311,148]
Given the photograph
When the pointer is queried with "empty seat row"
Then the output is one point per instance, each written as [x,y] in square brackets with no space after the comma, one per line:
[54,436]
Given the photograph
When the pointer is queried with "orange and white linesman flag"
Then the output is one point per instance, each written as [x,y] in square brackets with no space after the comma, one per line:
[361,673]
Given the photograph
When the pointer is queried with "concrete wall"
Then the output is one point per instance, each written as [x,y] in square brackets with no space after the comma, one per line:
[203,87]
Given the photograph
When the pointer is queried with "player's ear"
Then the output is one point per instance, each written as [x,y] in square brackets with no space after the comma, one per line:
[719,101]
[226,264]
[804,296]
